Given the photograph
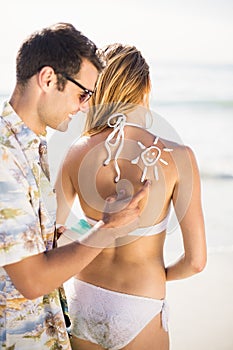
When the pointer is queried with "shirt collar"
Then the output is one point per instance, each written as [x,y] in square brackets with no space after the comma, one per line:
[26,136]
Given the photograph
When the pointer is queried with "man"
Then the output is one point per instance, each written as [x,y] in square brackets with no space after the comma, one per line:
[57,69]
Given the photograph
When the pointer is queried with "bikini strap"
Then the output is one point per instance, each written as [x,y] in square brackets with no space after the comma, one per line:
[165,315]
[116,138]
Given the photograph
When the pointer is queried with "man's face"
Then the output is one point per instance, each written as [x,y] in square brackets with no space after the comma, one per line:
[61,106]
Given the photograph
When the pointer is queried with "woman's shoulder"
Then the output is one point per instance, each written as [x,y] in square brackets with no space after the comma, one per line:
[85,145]
[76,151]
[82,144]
[178,147]
[149,139]
[181,155]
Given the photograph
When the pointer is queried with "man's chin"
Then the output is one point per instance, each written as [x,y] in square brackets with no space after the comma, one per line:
[63,126]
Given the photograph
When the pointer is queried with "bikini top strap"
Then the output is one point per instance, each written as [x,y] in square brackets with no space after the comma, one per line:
[116,138]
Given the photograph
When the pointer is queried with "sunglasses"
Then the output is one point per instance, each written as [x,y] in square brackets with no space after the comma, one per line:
[86,95]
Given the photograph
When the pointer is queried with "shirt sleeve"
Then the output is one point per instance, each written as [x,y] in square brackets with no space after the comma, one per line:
[20,231]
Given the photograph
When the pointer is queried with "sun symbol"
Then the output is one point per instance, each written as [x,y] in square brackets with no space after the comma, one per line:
[150,156]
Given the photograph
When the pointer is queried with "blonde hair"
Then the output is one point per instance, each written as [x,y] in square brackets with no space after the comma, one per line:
[122,86]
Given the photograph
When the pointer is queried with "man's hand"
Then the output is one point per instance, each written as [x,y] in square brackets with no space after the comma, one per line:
[121,216]
[121,212]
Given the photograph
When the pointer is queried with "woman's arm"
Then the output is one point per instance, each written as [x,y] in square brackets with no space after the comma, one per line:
[188,208]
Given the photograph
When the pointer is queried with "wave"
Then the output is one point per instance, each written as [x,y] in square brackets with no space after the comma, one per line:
[220,249]
[177,102]
[211,250]
[194,103]
[216,176]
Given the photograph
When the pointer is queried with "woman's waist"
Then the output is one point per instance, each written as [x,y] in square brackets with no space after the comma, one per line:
[144,280]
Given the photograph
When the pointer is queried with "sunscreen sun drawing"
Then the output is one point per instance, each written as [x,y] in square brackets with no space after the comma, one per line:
[150,156]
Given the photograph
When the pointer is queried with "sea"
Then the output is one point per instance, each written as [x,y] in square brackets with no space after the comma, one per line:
[197,101]
[193,104]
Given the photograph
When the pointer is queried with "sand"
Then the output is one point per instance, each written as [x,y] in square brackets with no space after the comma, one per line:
[201,307]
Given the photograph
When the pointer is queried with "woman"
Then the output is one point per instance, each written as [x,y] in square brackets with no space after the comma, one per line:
[118,300]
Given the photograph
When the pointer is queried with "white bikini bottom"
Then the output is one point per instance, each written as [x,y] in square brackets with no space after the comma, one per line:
[108,318]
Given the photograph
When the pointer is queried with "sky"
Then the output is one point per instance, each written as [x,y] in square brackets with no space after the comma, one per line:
[164,30]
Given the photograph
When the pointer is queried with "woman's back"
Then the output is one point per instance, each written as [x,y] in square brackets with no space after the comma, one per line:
[139,257]
[94,181]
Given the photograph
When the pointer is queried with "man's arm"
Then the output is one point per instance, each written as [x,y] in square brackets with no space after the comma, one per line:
[39,274]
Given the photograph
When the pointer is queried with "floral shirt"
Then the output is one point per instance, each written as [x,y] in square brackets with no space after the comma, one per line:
[27,216]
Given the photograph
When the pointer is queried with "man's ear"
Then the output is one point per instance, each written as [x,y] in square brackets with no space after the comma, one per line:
[47,77]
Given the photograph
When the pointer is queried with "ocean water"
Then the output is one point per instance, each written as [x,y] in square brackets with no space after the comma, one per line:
[194,102]
[197,100]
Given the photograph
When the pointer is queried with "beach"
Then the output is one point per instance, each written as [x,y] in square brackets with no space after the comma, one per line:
[201,116]
[201,307]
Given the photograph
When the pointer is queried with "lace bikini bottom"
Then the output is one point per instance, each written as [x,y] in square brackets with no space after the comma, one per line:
[108,318]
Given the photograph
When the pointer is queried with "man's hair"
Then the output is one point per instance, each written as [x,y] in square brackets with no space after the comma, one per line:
[60,46]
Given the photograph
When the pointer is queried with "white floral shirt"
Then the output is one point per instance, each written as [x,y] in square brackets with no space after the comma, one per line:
[27,217]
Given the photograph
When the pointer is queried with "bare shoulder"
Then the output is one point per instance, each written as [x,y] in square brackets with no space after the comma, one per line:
[179,151]
[80,145]
[77,151]
[185,154]
[181,156]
